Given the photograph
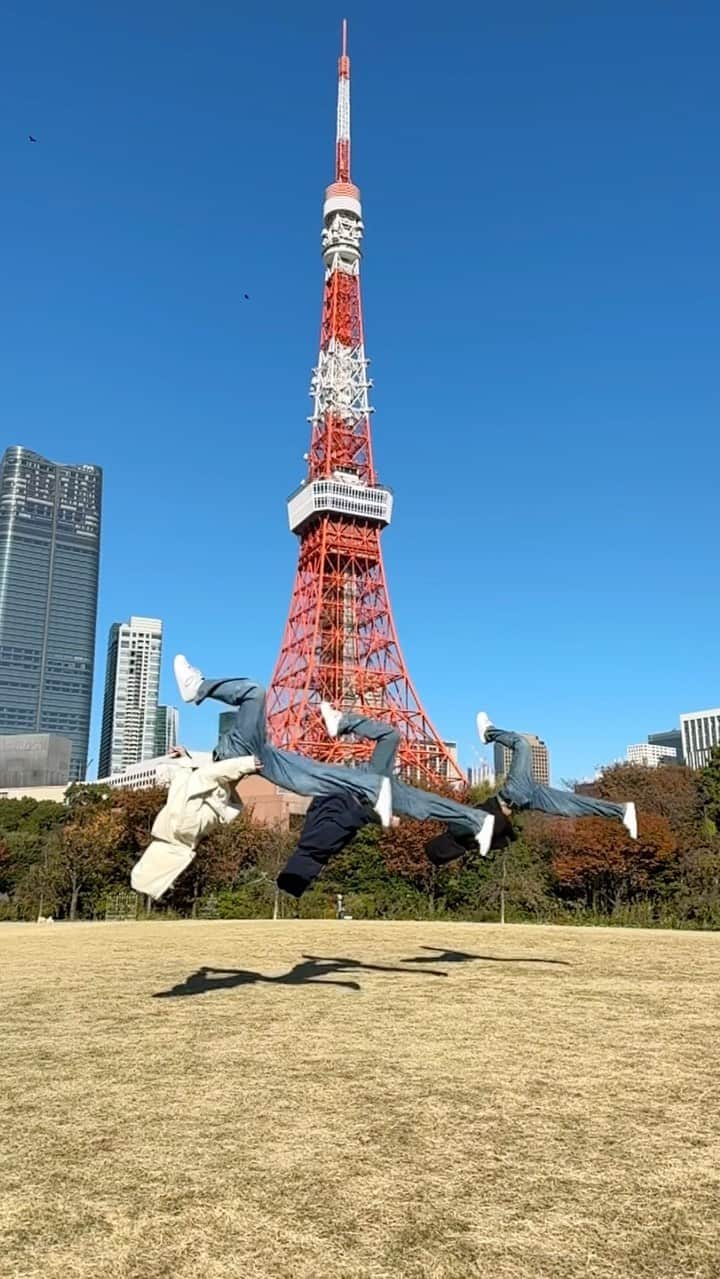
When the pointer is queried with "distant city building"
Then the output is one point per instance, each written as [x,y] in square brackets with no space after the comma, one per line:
[435,761]
[540,759]
[132,683]
[49,554]
[34,759]
[167,727]
[481,774]
[672,740]
[650,754]
[700,732]
[54,793]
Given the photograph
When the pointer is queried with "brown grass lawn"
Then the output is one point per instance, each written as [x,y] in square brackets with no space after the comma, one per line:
[420,1101]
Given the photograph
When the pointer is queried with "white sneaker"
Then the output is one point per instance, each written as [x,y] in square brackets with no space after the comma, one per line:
[188,677]
[485,834]
[630,820]
[383,803]
[331,718]
[483,722]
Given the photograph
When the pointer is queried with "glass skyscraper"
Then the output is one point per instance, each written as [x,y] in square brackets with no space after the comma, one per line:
[49,555]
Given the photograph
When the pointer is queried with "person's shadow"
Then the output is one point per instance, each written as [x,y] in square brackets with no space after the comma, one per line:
[313,971]
[440,956]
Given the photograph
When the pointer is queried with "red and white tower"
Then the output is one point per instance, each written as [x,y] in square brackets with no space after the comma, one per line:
[340,642]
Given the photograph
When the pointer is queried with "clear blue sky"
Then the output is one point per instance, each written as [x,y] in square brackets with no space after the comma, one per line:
[541,284]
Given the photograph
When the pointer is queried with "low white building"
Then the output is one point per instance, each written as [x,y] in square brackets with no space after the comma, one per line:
[149,772]
[650,755]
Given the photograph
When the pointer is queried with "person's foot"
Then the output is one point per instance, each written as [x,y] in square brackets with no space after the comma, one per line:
[331,718]
[483,722]
[188,677]
[630,820]
[383,803]
[485,834]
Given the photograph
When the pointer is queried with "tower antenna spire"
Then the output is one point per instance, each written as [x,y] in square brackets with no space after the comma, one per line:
[342,141]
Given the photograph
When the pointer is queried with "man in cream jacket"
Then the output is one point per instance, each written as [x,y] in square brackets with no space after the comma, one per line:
[199,798]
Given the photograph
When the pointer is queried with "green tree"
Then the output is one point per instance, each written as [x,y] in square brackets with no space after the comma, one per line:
[709,787]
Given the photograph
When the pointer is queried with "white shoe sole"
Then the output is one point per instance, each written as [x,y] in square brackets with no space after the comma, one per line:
[485,834]
[383,803]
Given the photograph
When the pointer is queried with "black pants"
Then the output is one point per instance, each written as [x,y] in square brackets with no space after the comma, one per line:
[330,823]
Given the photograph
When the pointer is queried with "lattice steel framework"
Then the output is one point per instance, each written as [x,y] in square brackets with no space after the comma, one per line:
[340,642]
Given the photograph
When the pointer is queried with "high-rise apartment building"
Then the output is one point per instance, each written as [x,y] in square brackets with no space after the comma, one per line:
[540,759]
[672,740]
[132,683]
[650,754]
[49,555]
[700,732]
[167,727]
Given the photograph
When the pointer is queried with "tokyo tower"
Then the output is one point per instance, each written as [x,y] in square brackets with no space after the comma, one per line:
[340,643]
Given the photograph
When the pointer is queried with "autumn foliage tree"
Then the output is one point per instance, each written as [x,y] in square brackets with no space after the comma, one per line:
[599,858]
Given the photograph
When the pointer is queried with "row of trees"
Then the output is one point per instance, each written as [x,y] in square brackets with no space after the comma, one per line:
[71,860]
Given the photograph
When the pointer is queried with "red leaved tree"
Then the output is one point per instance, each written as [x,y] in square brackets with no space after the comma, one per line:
[598,857]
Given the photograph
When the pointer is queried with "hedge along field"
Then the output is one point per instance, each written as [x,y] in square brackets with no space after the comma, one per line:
[320,1100]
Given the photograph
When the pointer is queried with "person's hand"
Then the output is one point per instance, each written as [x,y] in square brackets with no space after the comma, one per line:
[177,752]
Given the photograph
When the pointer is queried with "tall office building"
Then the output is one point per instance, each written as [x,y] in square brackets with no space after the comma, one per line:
[700,732]
[166,729]
[672,740]
[49,554]
[132,683]
[540,759]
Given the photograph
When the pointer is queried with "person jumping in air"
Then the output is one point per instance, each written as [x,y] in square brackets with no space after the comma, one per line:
[248,736]
[333,821]
[520,791]
[199,797]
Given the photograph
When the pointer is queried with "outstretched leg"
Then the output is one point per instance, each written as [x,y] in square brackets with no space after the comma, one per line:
[520,789]
[248,736]
[565,803]
[425,806]
[519,785]
[385,737]
[409,800]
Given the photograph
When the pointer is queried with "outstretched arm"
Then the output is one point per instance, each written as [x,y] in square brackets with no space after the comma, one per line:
[230,770]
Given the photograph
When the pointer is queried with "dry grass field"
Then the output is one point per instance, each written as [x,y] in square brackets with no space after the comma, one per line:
[313,1100]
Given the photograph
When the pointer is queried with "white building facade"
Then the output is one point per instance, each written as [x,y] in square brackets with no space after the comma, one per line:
[700,732]
[132,685]
[150,772]
[650,755]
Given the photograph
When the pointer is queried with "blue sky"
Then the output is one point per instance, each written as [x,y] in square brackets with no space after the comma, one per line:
[541,283]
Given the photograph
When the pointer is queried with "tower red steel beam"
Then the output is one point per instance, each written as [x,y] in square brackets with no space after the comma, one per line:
[340,642]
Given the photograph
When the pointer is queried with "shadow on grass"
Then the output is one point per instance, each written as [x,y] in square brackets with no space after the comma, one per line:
[440,956]
[312,971]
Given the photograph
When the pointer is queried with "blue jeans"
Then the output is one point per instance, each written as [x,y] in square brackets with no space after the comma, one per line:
[409,800]
[385,737]
[520,789]
[248,736]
